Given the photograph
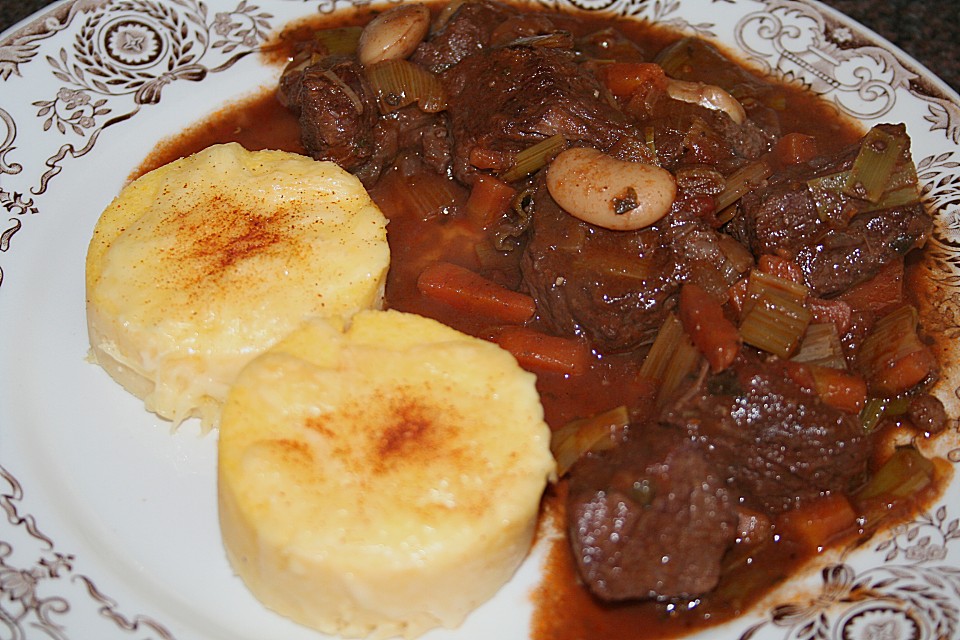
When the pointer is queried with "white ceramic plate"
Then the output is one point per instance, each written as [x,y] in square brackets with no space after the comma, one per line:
[108,522]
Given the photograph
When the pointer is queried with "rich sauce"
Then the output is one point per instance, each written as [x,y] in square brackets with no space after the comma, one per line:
[419,234]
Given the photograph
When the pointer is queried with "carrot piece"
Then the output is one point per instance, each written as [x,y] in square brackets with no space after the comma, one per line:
[837,388]
[781,267]
[472,293]
[881,291]
[817,523]
[536,350]
[904,373]
[489,199]
[490,159]
[623,79]
[800,373]
[840,389]
[835,312]
[795,148]
[714,335]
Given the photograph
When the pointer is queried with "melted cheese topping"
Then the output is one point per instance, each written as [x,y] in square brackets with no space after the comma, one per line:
[381,479]
[202,264]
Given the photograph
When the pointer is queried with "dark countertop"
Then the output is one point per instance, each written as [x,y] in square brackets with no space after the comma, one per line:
[928,30]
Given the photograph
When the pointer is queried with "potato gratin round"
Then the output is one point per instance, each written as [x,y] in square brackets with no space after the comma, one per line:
[203,263]
[381,479]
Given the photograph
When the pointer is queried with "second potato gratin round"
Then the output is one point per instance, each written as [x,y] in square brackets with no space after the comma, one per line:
[381,479]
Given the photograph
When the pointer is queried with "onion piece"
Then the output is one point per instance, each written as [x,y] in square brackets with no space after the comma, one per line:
[555,40]
[594,433]
[821,346]
[400,83]
[338,41]
[328,42]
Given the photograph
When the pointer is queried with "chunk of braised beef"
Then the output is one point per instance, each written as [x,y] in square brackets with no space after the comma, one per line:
[611,44]
[337,110]
[610,286]
[466,31]
[687,133]
[840,259]
[838,244]
[412,130]
[616,287]
[503,100]
[780,445]
[651,518]
[778,218]
[927,413]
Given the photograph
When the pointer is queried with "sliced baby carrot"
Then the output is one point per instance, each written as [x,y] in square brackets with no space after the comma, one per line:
[703,320]
[781,267]
[489,199]
[470,292]
[904,373]
[538,351]
[796,148]
[881,291]
[816,523]
[840,389]
[623,79]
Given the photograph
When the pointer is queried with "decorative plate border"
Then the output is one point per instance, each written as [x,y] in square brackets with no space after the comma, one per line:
[113,59]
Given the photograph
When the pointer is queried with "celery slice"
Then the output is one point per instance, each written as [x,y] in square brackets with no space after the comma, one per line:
[874,165]
[883,176]
[534,157]
[876,409]
[671,358]
[905,473]
[658,358]
[893,337]
[775,322]
[431,198]
[741,181]
[829,199]
[761,282]
[893,198]
[682,365]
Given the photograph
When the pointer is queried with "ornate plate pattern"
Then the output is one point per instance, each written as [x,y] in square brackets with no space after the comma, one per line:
[108,521]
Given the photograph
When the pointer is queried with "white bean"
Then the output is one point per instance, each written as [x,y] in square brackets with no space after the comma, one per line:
[708,96]
[394,34]
[610,193]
